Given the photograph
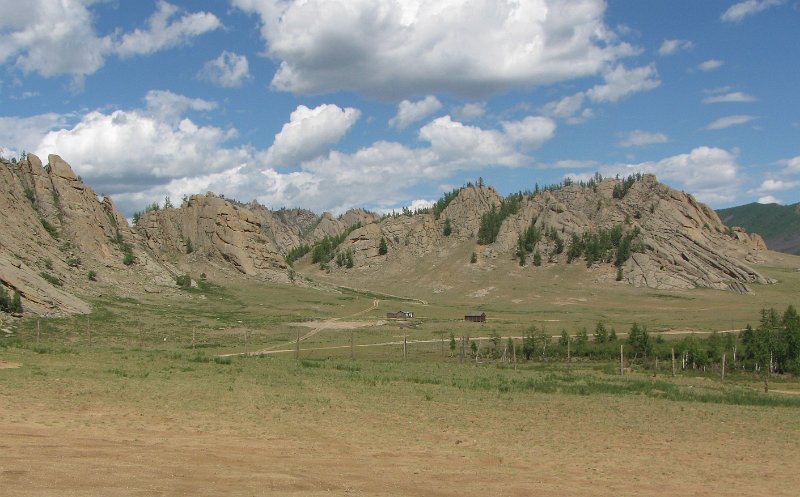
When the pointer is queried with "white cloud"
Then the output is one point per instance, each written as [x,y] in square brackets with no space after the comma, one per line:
[735,96]
[392,48]
[792,165]
[728,121]
[169,107]
[566,107]
[229,70]
[18,134]
[53,37]
[469,111]
[165,32]
[409,112]
[621,82]
[639,138]
[669,47]
[777,185]
[309,133]
[711,174]
[739,11]
[710,65]
[530,132]
[769,199]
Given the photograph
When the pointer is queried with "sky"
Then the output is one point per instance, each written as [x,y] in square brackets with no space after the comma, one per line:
[383,104]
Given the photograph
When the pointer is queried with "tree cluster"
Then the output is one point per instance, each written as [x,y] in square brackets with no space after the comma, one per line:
[10,304]
[603,245]
[492,221]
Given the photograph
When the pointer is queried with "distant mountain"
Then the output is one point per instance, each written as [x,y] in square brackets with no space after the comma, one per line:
[779,225]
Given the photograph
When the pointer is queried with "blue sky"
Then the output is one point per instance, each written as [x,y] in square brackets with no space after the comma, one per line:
[381,104]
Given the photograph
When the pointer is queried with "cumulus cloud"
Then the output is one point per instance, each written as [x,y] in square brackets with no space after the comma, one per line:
[229,70]
[792,165]
[469,111]
[531,132]
[51,37]
[169,107]
[165,32]
[18,134]
[669,47]
[728,121]
[309,133]
[710,65]
[737,12]
[731,97]
[769,199]
[394,49]
[709,173]
[409,112]
[777,185]
[639,138]
[566,107]
[621,82]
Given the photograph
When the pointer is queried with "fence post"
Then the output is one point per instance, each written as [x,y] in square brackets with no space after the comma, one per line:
[37,332]
[673,361]
[621,360]
[723,366]
[297,346]
[352,347]
[405,352]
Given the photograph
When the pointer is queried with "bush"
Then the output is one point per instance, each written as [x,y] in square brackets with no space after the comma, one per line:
[92,276]
[473,258]
[383,249]
[448,229]
[184,281]
[51,279]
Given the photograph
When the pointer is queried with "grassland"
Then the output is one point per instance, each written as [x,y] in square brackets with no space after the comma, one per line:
[145,398]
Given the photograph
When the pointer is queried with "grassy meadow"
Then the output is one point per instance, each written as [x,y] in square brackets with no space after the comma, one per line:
[155,395]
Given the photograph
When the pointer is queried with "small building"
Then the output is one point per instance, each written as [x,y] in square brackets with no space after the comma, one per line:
[400,315]
[475,317]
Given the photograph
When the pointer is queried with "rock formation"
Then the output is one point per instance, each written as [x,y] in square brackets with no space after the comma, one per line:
[61,244]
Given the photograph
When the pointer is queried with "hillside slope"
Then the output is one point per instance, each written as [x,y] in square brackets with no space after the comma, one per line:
[659,237]
[778,224]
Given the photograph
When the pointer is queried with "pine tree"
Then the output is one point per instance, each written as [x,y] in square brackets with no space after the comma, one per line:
[5,303]
[16,302]
[383,249]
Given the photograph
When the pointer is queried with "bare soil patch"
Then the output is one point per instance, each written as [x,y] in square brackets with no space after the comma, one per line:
[9,365]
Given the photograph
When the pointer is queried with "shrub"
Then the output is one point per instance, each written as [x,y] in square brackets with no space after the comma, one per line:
[473,258]
[184,281]
[49,228]
[92,276]
[448,229]
[383,249]
[51,279]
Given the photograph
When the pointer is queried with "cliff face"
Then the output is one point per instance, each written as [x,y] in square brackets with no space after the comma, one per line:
[60,241]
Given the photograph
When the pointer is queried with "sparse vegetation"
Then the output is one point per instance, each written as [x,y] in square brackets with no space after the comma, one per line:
[51,279]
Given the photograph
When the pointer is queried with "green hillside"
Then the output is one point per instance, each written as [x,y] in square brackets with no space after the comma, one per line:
[778,224]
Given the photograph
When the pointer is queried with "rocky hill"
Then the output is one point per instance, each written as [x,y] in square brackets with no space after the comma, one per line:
[61,244]
[657,236]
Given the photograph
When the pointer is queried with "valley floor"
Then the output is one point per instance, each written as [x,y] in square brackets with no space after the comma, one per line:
[145,423]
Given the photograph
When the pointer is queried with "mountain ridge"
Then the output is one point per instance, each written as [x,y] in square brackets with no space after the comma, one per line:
[63,244]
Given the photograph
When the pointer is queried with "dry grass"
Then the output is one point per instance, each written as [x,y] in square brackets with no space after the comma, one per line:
[134,414]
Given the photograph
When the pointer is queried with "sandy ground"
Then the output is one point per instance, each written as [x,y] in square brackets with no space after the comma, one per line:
[547,445]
